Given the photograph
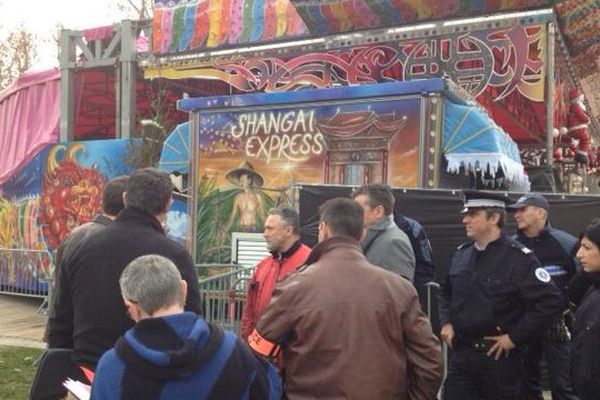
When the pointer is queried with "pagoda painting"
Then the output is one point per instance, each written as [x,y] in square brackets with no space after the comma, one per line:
[358,145]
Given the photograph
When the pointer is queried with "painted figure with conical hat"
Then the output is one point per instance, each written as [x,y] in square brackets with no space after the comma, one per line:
[247,204]
[245,168]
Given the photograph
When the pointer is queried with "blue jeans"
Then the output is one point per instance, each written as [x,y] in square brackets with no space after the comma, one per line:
[472,375]
[556,354]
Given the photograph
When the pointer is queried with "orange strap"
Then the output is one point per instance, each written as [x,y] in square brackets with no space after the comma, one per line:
[262,346]
[89,374]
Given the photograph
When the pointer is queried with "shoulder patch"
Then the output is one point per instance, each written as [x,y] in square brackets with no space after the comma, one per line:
[542,275]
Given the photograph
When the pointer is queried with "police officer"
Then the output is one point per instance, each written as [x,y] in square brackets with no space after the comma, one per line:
[553,248]
[495,297]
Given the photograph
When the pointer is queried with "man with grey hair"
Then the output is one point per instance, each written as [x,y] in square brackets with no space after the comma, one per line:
[282,234]
[172,354]
[90,314]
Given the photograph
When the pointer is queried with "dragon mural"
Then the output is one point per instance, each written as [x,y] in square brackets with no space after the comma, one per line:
[71,194]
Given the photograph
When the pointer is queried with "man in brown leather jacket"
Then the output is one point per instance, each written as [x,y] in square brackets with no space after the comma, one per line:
[348,329]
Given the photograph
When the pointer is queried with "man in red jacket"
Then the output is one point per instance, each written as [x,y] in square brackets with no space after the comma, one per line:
[282,234]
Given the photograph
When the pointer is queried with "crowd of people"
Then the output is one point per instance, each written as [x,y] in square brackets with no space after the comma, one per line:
[339,321]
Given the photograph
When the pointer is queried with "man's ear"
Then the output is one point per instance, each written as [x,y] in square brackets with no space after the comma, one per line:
[133,310]
[169,204]
[380,210]
[323,231]
[184,289]
[495,217]
[125,199]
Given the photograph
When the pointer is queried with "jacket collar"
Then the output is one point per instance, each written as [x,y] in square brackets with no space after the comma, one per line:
[132,214]
[543,234]
[382,224]
[170,347]
[102,219]
[288,253]
[594,278]
[329,244]
[493,244]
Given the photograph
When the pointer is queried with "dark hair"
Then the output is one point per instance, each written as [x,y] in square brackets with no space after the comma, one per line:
[344,217]
[379,195]
[592,232]
[490,211]
[149,189]
[112,198]
[289,217]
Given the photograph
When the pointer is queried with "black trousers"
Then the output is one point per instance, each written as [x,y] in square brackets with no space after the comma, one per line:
[54,367]
[472,375]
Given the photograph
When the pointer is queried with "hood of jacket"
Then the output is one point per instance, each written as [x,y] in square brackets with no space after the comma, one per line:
[170,347]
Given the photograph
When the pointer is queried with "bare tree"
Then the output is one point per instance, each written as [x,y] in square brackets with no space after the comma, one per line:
[18,51]
[153,130]
[139,9]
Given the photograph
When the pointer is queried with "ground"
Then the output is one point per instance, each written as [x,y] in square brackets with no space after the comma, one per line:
[16,371]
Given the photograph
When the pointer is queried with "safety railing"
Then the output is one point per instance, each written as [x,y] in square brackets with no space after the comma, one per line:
[223,296]
[26,272]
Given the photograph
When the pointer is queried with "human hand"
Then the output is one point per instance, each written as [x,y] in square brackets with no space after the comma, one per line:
[447,334]
[503,345]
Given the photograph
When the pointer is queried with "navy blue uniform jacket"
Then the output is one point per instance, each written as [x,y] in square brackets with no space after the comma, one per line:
[502,289]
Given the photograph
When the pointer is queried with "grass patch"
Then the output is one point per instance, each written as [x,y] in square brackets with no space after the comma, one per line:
[17,371]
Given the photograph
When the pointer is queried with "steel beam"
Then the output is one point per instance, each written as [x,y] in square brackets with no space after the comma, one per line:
[67,87]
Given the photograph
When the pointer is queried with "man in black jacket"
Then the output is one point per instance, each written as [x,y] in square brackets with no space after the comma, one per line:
[89,314]
[554,248]
[112,204]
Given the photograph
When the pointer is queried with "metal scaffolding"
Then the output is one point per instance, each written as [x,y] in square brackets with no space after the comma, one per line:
[118,53]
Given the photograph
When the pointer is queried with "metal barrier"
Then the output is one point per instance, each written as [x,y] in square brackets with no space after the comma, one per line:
[223,297]
[431,286]
[26,272]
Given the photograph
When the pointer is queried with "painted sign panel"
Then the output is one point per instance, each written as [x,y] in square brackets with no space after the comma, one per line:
[249,159]
[58,190]
[503,68]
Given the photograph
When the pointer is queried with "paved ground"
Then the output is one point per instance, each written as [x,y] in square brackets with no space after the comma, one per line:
[20,322]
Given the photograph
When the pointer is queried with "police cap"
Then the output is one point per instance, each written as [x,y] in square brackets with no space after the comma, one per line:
[477,199]
[530,199]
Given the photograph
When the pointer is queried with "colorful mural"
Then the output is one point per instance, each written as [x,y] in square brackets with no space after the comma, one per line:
[503,68]
[59,189]
[334,16]
[507,59]
[248,160]
[183,25]
[579,24]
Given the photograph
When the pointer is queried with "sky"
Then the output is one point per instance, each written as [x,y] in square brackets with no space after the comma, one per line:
[41,18]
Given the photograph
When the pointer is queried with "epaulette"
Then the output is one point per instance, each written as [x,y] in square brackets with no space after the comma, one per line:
[463,245]
[524,250]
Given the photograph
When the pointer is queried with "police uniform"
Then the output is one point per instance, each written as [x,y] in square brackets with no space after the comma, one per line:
[501,289]
[553,248]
